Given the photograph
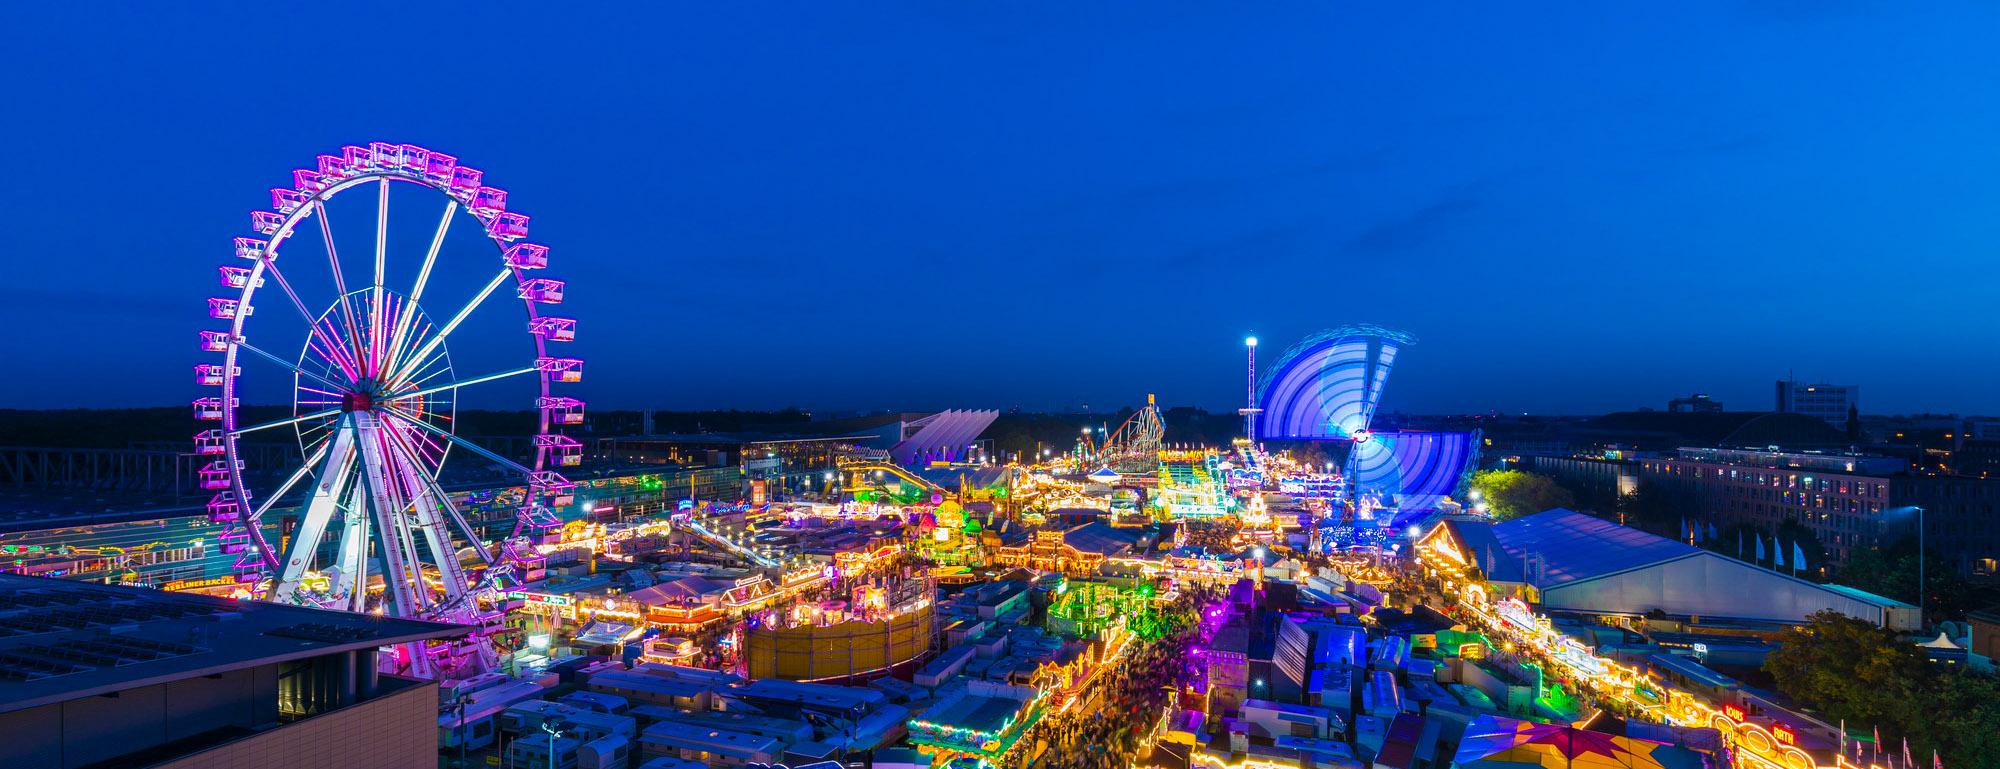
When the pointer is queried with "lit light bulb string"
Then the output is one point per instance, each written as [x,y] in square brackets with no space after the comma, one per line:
[1755,746]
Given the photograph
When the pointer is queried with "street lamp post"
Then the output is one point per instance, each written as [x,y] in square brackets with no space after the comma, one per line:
[461,702]
[554,730]
[1920,561]
[1920,567]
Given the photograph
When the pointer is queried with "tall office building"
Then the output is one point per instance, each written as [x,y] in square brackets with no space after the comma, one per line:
[1826,401]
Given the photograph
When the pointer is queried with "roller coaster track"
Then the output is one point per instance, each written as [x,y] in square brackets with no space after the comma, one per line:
[1135,446]
[896,470]
[724,543]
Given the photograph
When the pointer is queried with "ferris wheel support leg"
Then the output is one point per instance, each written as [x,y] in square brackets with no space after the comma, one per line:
[424,512]
[333,483]
[399,575]
[431,489]
[439,540]
[459,519]
[353,555]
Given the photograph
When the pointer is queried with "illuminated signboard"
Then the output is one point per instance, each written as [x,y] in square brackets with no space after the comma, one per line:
[197,584]
[541,598]
[1734,713]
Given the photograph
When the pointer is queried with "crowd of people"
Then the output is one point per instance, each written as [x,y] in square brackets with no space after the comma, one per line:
[1133,692]
[1213,536]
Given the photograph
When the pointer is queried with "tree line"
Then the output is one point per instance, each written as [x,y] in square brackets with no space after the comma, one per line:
[1866,677]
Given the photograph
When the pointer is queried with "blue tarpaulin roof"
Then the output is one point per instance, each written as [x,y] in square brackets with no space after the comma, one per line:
[1099,537]
[1570,546]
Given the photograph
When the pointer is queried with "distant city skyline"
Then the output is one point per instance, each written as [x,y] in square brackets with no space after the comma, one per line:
[981,207]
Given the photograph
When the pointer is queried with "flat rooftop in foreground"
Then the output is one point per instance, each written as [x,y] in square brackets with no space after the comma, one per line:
[63,640]
[979,714]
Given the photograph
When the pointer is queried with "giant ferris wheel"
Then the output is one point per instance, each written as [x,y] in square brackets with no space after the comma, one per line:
[373,388]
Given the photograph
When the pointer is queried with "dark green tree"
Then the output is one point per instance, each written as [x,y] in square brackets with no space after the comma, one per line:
[1651,506]
[1597,500]
[1511,494]
[1849,668]
[1892,571]
[1960,718]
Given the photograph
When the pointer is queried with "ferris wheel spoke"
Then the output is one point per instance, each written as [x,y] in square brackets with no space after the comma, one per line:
[426,449]
[417,333]
[295,369]
[430,257]
[469,445]
[462,383]
[408,442]
[405,368]
[328,357]
[312,462]
[282,422]
[438,366]
[311,321]
[423,277]
[339,281]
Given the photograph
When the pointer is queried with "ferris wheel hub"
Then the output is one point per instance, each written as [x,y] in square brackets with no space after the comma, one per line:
[356,401]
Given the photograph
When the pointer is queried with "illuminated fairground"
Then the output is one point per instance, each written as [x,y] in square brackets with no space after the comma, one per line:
[1089,607]
[1192,485]
[1133,601]
[1572,683]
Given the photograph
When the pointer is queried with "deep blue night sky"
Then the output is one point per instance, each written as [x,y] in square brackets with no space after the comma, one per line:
[928,205]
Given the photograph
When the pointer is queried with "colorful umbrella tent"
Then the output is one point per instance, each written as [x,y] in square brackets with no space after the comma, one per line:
[1493,742]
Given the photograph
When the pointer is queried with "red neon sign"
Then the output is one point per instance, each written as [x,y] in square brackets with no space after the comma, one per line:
[1733,712]
[1784,734]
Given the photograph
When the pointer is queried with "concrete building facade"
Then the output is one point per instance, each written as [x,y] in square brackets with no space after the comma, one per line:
[1848,502]
[1830,402]
[1841,499]
[104,675]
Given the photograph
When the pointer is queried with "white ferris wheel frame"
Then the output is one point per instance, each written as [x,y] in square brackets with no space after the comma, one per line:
[372,446]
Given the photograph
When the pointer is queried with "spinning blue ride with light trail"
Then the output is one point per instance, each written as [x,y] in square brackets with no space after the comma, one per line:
[1326,386]
[1412,471]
